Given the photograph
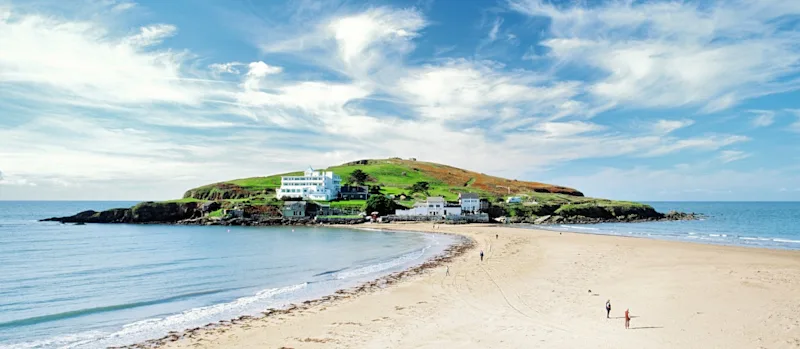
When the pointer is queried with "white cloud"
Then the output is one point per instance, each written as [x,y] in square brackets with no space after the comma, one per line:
[256,72]
[82,62]
[733,50]
[260,69]
[795,126]
[362,45]
[479,115]
[464,90]
[123,6]
[357,34]
[495,29]
[15,181]
[763,117]
[563,129]
[229,68]
[667,126]
[727,156]
[152,35]
[711,142]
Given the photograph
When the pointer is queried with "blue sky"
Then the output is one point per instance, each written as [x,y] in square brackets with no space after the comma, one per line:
[640,100]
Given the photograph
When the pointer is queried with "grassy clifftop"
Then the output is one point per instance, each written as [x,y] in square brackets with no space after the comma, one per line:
[394,176]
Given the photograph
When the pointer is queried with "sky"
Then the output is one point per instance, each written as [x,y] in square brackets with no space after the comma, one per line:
[636,100]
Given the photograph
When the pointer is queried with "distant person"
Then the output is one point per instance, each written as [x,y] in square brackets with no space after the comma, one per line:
[481,255]
[496,236]
[608,309]
[627,319]
[447,270]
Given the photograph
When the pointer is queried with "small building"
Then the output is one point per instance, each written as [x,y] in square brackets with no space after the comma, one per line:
[353,192]
[236,212]
[433,206]
[513,200]
[451,210]
[294,209]
[314,209]
[470,203]
[484,205]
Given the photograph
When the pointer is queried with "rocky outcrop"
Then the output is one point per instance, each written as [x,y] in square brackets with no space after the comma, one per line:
[622,218]
[145,212]
[192,213]
[114,215]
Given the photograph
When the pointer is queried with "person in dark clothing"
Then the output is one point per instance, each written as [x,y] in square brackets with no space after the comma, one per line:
[496,236]
[608,309]
[481,255]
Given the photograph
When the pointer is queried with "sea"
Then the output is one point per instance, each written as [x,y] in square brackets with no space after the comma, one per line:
[774,225]
[100,285]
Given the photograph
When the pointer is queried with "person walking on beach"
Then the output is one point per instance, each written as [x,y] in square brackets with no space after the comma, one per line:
[496,236]
[481,255]
[627,319]
[608,309]
[447,270]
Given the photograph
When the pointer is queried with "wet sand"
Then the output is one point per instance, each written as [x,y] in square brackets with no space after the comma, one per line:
[545,289]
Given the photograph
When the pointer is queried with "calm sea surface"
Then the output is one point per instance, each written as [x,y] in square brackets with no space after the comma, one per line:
[97,285]
[754,224]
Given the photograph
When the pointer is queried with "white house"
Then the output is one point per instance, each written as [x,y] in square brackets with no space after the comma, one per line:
[433,206]
[470,202]
[514,200]
[312,185]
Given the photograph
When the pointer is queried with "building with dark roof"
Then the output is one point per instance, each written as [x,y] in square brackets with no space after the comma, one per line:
[353,192]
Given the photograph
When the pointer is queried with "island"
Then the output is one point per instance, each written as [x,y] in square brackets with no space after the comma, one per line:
[387,190]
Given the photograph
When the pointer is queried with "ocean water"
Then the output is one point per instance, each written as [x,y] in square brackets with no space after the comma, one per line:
[754,224]
[94,285]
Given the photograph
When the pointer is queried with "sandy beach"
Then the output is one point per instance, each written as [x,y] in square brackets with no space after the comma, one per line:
[548,290]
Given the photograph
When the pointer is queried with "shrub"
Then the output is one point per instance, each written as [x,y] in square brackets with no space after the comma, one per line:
[380,204]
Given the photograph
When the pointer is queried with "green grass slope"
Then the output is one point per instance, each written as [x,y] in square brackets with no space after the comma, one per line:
[394,176]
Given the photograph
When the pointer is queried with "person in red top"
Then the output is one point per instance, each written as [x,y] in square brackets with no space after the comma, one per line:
[627,319]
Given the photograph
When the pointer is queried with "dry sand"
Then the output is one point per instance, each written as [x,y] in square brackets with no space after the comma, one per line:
[532,291]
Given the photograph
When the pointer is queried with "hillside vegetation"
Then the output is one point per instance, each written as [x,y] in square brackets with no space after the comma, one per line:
[406,180]
[394,176]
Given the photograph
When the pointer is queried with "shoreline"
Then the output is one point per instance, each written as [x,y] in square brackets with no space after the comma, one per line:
[780,243]
[681,295]
[456,249]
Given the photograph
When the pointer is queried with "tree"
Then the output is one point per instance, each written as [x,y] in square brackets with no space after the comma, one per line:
[375,189]
[419,187]
[380,204]
[358,177]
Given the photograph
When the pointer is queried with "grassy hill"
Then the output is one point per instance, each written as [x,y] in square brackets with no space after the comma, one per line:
[541,202]
[395,176]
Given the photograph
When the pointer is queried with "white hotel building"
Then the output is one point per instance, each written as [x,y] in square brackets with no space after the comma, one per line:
[312,185]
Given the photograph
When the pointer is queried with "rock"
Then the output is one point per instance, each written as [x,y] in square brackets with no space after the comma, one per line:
[211,206]
[145,212]
[541,220]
